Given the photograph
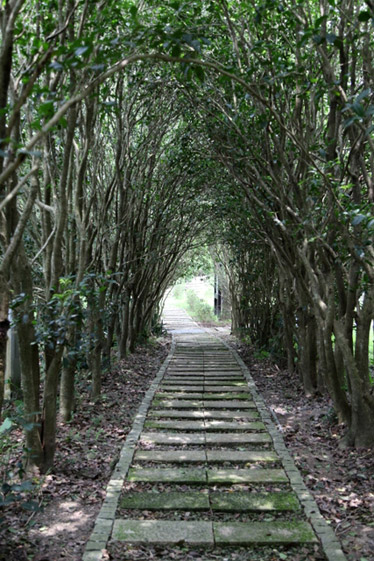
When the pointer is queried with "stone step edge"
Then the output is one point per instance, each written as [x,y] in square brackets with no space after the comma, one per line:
[102,529]
[206,533]
[330,544]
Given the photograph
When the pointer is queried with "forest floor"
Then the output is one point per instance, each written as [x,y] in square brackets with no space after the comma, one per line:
[87,450]
[341,480]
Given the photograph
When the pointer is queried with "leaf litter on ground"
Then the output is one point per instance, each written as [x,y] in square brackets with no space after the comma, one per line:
[87,450]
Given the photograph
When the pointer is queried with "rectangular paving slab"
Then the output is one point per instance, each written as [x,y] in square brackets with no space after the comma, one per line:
[197,378]
[246,533]
[178,403]
[173,500]
[203,381]
[227,425]
[234,438]
[227,404]
[225,382]
[175,456]
[177,414]
[186,414]
[163,532]
[228,395]
[182,381]
[238,456]
[231,414]
[255,475]
[177,425]
[240,501]
[204,425]
[172,475]
[181,388]
[178,394]
[170,438]
[226,389]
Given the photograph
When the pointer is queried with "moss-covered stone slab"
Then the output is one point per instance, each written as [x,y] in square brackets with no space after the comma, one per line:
[163,532]
[234,438]
[231,414]
[225,382]
[239,502]
[177,425]
[239,456]
[188,500]
[174,456]
[226,389]
[227,425]
[178,403]
[170,438]
[172,475]
[227,395]
[229,404]
[255,475]
[184,372]
[179,394]
[176,414]
[182,388]
[219,372]
[183,381]
[262,533]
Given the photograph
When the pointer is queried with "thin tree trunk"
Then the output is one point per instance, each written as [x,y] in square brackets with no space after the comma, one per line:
[49,413]
[67,390]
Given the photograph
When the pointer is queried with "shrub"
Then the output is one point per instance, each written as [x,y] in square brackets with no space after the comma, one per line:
[199,310]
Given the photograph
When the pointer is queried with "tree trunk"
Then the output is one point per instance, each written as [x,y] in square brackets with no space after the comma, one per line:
[4,326]
[49,413]
[107,351]
[67,390]
[95,368]
[124,334]
[306,348]
[29,357]
[360,432]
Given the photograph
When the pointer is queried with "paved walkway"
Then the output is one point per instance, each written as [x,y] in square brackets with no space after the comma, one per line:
[204,464]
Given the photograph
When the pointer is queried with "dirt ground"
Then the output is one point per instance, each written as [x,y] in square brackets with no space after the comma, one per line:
[341,480]
[87,451]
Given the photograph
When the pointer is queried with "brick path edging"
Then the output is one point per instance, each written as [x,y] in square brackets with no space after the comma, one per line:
[97,543]
[330,544]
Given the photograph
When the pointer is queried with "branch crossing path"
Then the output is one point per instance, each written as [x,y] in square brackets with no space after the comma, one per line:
[204,464]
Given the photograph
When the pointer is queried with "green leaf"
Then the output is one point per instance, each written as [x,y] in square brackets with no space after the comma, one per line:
[176,50]
[350,121]
[364,16]
[331,38]
[56,65]
[80,51]
[199,73]
[134,11]
[320,20]
[31,505]
[358,108]
[6,424]
[363,94]
[358,219]
[318,39]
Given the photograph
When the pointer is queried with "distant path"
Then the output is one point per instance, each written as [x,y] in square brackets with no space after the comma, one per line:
[204,467]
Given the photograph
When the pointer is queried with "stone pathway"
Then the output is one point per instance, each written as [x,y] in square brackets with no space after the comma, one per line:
[204,465]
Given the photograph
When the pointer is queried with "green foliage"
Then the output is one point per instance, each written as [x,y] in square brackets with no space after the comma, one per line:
[199,310]
[196,262]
